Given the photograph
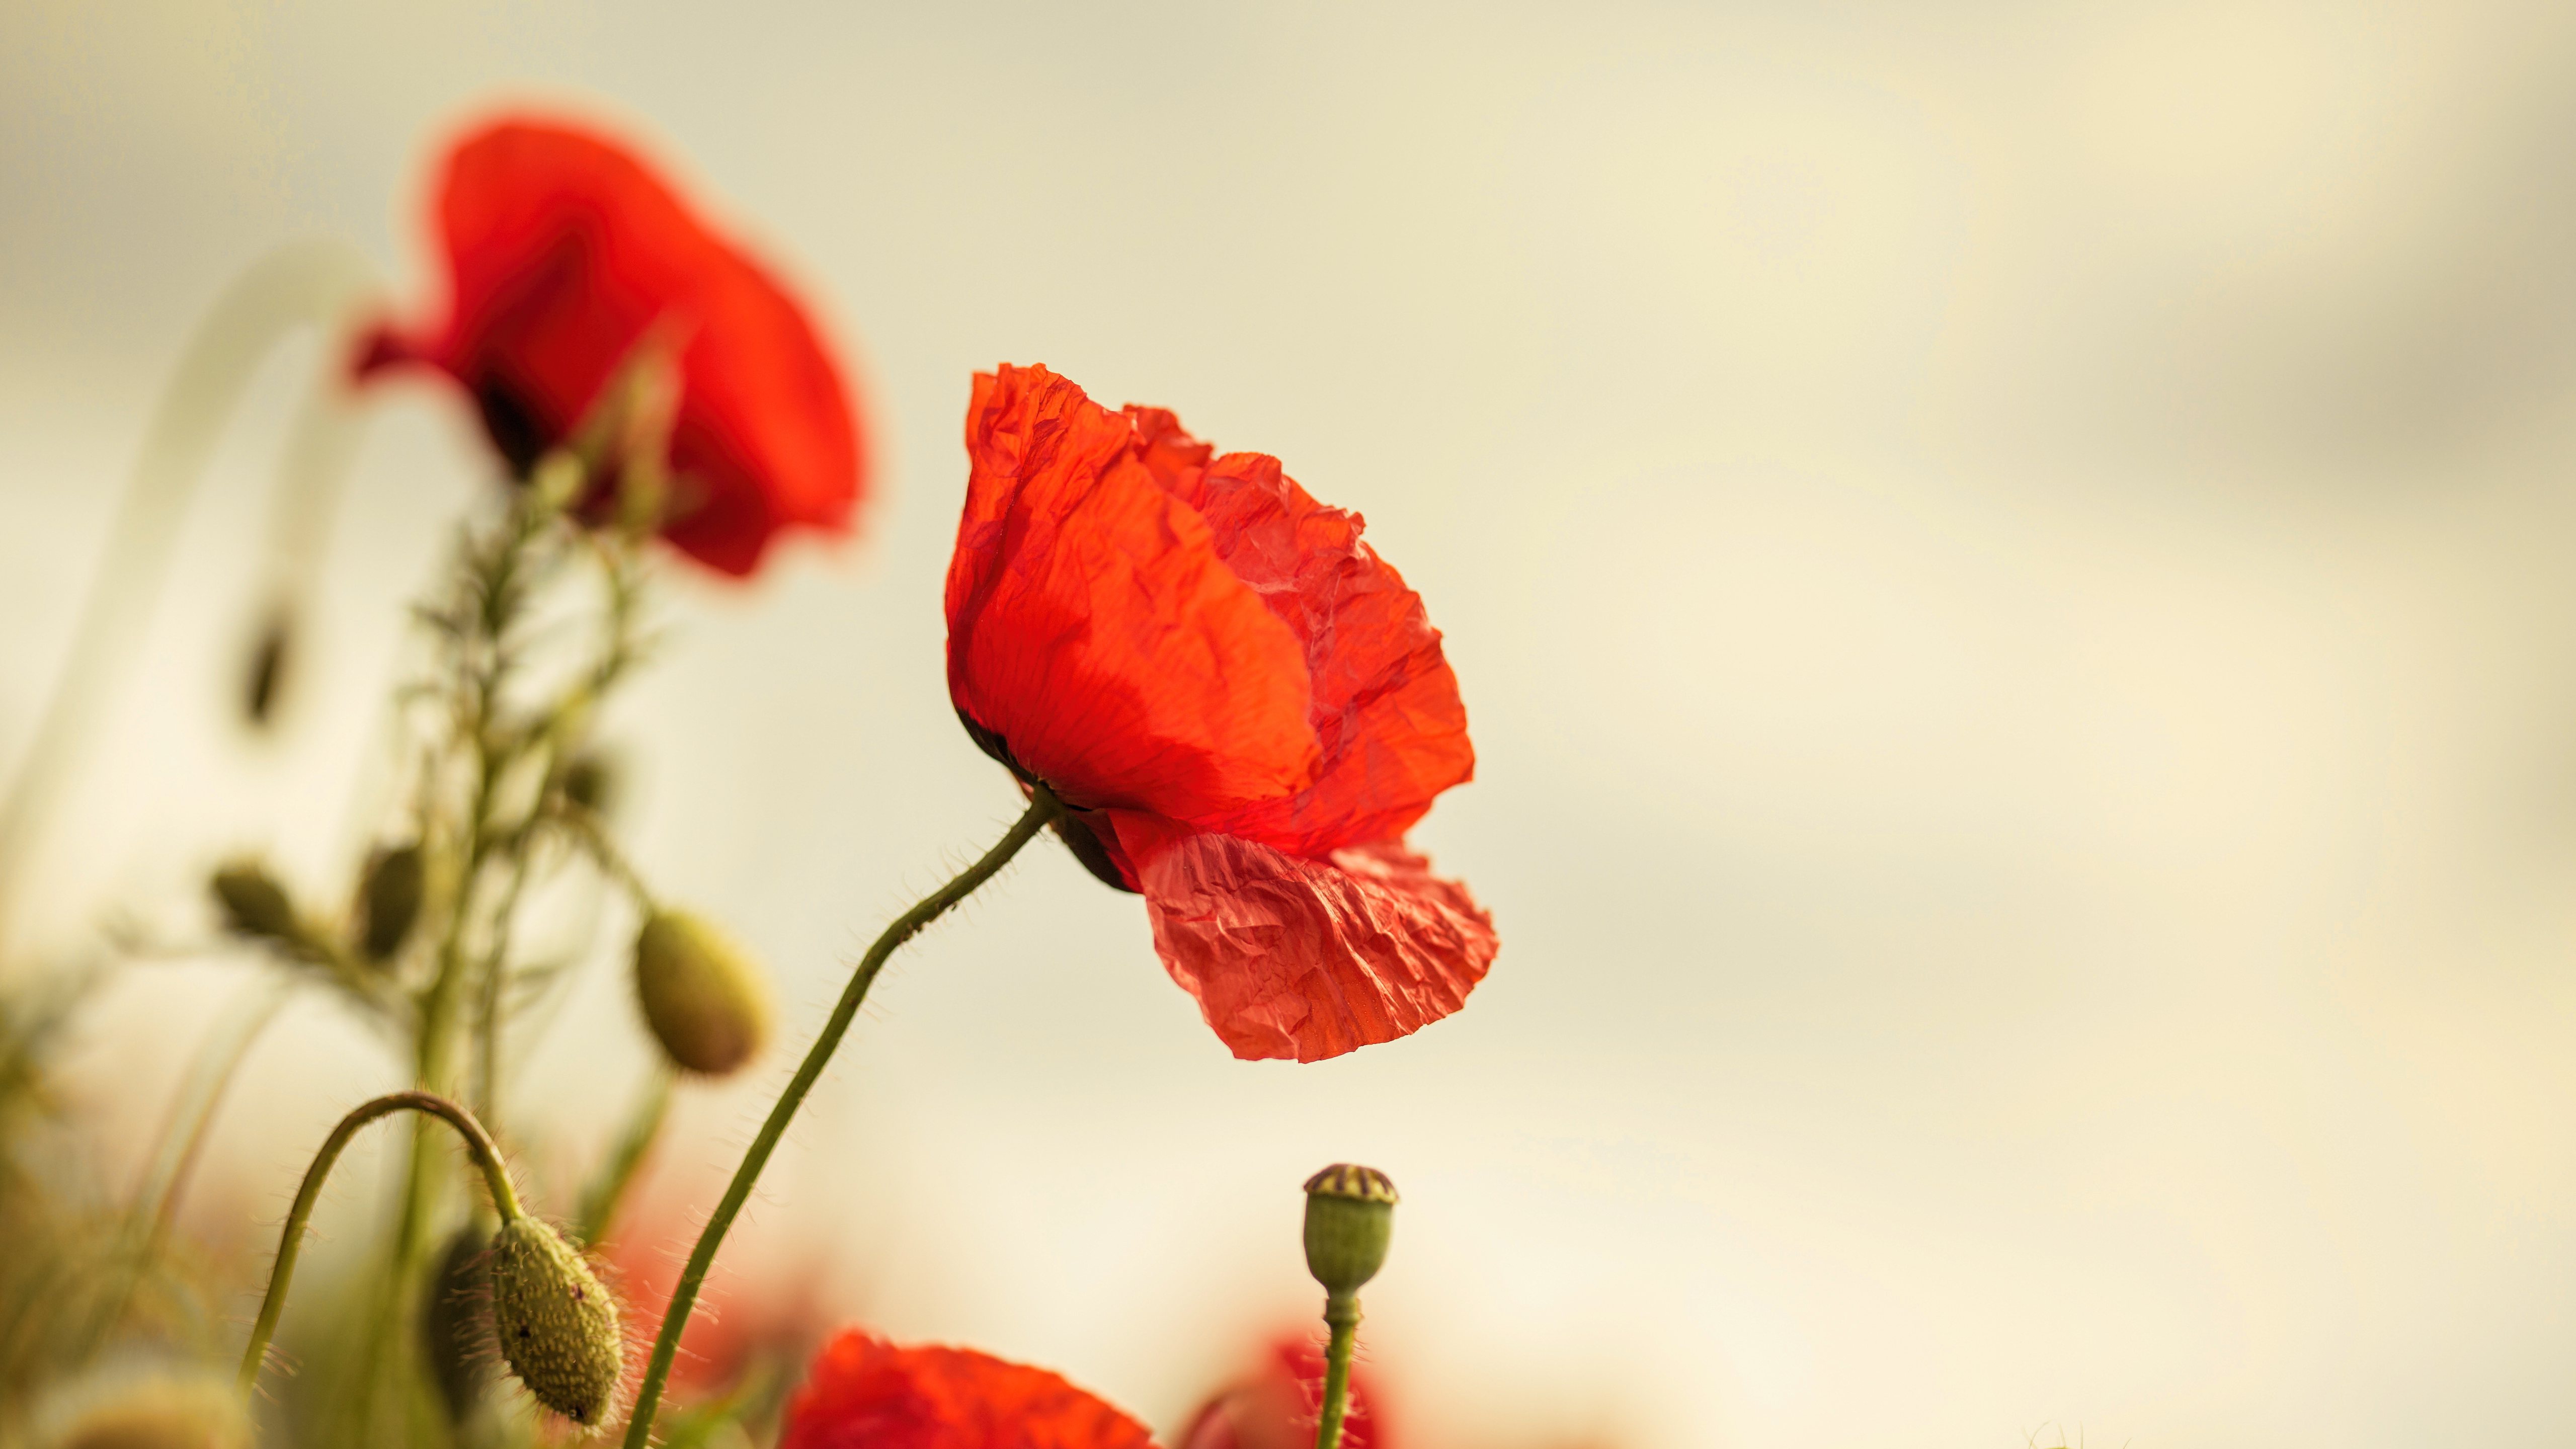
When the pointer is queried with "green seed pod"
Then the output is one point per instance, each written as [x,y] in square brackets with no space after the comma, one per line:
[556,1323]
[254,904]
[1350,1214]
[706,1002]
[389,901]
[457,1364]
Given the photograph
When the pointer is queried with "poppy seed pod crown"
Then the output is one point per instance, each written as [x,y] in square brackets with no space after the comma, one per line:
[706,1002]
[556,1322]
[1350,1215]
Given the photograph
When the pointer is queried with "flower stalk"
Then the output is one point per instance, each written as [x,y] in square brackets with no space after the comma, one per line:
[1043,809]
[290,1243]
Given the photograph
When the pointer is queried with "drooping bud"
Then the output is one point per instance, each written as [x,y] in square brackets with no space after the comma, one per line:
[706,1002]
[459,1365]
[556,1322]
[1350,1215]
[389,900]
[254,904]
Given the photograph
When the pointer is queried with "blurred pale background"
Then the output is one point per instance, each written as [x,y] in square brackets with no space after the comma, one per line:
[2007,563]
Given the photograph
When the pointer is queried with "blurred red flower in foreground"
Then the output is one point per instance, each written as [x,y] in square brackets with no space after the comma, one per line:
[865,1393]
[1241,703]
[562,248]
[1276,1407]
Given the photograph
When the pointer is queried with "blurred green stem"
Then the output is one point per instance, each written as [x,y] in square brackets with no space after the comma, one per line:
[1043,809]
[291,288]
[182,1139]
[607,1190]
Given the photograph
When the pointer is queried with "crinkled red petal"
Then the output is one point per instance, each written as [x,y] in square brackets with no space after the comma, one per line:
[1291,957]
[1094,628]
[1277,1407]
[1386,711]
[562,249]
[865,1393]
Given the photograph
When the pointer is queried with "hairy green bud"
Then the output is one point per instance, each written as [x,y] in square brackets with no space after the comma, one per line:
[254,904]
[448,1319]
[1350,1215]
[556,1322]
[706,1002]
[389,900]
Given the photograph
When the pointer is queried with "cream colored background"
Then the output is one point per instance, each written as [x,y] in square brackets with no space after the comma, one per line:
[2007,563]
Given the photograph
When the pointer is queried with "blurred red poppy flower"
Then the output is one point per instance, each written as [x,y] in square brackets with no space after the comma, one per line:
[562,249]
[1241,704]
[865,1393]
[1276,1406]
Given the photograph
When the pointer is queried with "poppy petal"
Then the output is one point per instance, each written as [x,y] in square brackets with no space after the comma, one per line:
[1094,631]
[1291,957]
[865,1393]
[1386,712]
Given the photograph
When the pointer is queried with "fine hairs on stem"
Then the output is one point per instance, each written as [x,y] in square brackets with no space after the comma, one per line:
[290,1243]
[1043,809]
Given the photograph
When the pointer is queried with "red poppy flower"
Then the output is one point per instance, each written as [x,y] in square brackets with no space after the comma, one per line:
[1276,1407]
[562,249]
[1241,704]
[865,1393]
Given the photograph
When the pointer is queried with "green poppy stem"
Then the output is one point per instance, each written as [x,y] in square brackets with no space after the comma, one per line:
[1043,809]
[1342,1316]
[290,1243]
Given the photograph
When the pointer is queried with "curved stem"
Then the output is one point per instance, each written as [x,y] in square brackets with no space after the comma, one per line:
[1043,808]
[287,289]
[505,1200]
[1342,1316]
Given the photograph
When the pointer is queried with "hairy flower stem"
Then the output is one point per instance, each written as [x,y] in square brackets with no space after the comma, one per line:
[1043,809]
[505,1201]
[1342,1316]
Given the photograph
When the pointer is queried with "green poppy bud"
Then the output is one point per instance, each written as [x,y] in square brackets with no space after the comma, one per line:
[457,1363]
[389,901]
[271,657]
[1350,1214]
[591,782]
[706,1002]
[556,1323]
[254,904]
